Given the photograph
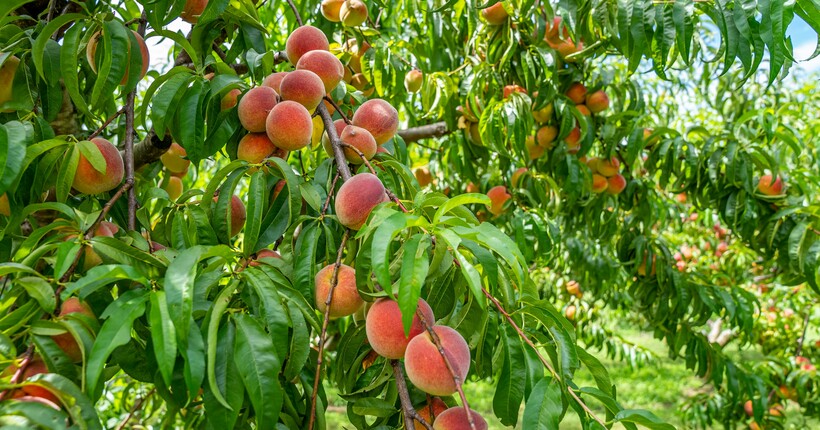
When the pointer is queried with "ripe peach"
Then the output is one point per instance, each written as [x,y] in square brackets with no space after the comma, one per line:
[356,53]
[748,408]
[429,411]
[616,184]
[517,175]
[379,118]
[192,10]
[305,39]
[356,199]
[509,89]
[91,52]
[156,246]
[89,180]
[385,331]
[498,196]
[455,418]
[609,167]
[263,253]
[584,110]
[769,187]
[546,135]
[535,150]
[303,87]
[173,159]
[35,367]
[7,72]
[427,369]
[346,299]
[325,65]
[592,163]
[573,140]
[289,126]
[413,80]
[599,183]
[597,101]
[173,186]
[544,114]
[353,13]
[255,106]
[360,139]
[238,214]
[230,99]
[330,9]
[552,31]
[424,176]
[274,80]
[5,209]
[472,188]
[66,341]
[570,312]
[577,92]
[574,288]
[495,14]
[255,147]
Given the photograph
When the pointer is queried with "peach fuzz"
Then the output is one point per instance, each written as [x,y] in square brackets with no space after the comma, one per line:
[385,330]
[427,369]
[356,199]
[345,299]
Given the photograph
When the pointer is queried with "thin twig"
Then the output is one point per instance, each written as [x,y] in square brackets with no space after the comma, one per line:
[137,405]
[802,338]
[458,382]
[334,280]
[360,154]
[330,193]
[106,123]
[27,357]
[404,396]
[338,153]
[338,109]
[296,12]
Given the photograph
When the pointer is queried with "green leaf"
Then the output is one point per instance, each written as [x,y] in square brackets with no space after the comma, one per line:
[509,393]
[70,67]
[463,199]
[116,331]
[103,275]
[92,153]
[163,336]
[543,409]
[414,269]
[10,5]
[380,249]
[179,287]
[74,401]
[39,46]
[12,152]
[644,418]
[113,50]
[274,312]
[219,307]
[257,200]
[65,175]
[40,290]
[163,104]
[259,367]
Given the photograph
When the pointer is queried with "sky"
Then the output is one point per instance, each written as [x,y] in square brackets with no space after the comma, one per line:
[804,41]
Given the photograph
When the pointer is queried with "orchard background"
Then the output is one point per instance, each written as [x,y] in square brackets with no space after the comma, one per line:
[584,214]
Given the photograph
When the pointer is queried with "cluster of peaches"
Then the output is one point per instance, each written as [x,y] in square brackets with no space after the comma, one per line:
[425,366]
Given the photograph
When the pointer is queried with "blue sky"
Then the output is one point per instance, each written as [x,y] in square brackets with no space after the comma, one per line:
[804,41]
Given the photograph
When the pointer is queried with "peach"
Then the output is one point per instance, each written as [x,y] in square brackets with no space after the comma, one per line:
[356,53]
[592,163]
[174,159]
[495,14]
[35,367]
[565,48]
[325,65]
[361,83]
[89,180]
[289,126]
[546,135]
[331,10]
[91,52]
[573,140]
[173,186]
[356,199]
[238,214]
[379,118]
[509,89]
[156,246]
[642,267]
[597,101]
[498,196]
[263,253]
[609,167]
[552,31]
[254,107]
[584,110]
[66,341]
[570,312]
[303,40]
[360,139]
[353,13]
[472,188]
[192,10]
[340,125]
[647,133]
[616,184]
[517,175]
[274,80]
[429,411]
[535,150]
[256,147]
[303,87]
[770,187]
[230,99]
[385,330]
[427,369]
[455,418]
[599,183]
[474,134]
[413,80]
[423,176]
[544,114]
[5,209]
[577,92]
[345,299]
[748,408]
[574,288]
[7,72]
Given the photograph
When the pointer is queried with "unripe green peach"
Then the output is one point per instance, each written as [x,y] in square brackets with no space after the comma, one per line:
[255,106]
[353,13]
[356,199]
[413,80]
[173,186]
[379,118]
[427,369]
[173,159]
[289,126]
[89,180]
[305,39]
[345,299]
[7,72]
[385,330]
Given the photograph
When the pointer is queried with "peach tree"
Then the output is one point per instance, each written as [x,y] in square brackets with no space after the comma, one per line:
[391,200]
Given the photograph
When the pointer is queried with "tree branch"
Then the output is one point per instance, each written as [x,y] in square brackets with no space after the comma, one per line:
[414,134]
[150,149]
[338,153]
[404,395]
